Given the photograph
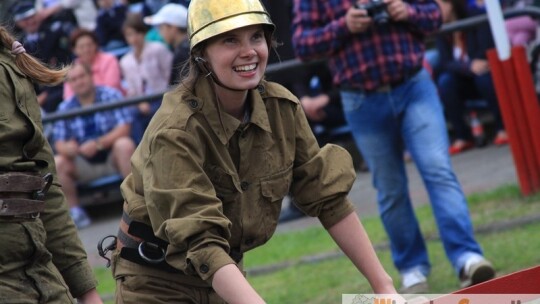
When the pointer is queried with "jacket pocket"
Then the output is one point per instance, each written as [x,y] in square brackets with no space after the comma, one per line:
[273,189]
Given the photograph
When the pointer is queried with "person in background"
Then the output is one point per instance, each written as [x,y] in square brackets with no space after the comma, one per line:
[42,257]
[146,70]
[47,40]
[522,29]
[463,74]
[105,66]
[84,11]
[90,146]
[111,16]
[171,20]
[376,54]
[5,11]
[321,103]
[217,159]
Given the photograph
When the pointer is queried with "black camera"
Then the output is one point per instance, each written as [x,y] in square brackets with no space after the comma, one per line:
[376,9]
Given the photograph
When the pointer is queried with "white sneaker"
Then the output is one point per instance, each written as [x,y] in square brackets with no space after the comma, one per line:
[476,270]
[413,282]
[80,218]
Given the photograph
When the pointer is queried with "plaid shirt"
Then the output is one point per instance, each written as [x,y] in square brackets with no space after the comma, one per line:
[83,128]
[383,54]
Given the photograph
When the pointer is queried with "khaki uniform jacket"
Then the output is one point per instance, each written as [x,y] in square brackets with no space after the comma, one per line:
[208,184]
[24,147]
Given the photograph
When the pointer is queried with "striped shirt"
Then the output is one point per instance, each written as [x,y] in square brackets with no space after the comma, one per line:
[383,54]
[83,128]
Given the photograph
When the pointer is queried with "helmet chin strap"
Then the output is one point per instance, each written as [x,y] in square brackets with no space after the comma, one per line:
[202,64]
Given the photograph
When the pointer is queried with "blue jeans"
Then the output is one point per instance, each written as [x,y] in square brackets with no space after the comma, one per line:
[411,116]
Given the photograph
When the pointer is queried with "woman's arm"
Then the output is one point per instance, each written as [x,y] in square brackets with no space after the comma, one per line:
[232,286]
[351,237]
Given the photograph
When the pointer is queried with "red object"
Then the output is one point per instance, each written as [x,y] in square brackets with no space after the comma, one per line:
[525,281]
[523,285]
[476,126]
[456,149]
[520,111]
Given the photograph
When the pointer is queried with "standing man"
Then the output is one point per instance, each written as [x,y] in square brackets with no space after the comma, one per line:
[375,51]
[94,145]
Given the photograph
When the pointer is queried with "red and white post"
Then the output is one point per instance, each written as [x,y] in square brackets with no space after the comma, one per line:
[518,102]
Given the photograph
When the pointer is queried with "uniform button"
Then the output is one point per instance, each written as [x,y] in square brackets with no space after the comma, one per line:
[193,103]
[244,186]
[249,241]
[261,88]
[204,268]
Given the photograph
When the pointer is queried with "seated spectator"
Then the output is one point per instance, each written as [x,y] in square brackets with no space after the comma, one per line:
[172,22]
[111,16]
[146,69]
[321,101]
[47,40]
[5,14]
[105,67]
[522,29]
[84,11]
[91,146]
[463,74]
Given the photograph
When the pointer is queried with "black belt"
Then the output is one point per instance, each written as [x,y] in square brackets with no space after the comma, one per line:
[385,87]
[151,250]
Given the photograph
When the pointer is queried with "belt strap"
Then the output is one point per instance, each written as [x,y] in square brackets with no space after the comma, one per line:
[20,206]
[132,234]
[385,87]
[21,182]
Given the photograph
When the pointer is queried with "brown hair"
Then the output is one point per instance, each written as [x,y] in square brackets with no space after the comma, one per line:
[31,66]
[135,21]
[80,32]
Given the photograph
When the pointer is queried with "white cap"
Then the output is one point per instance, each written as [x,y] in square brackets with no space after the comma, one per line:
[173,14]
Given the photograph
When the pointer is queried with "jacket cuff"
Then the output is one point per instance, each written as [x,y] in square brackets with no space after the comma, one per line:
[207,261]
[79,278]
[337,211]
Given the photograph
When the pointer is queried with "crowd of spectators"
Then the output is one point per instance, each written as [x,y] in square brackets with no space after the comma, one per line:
[137,48]
[117,49]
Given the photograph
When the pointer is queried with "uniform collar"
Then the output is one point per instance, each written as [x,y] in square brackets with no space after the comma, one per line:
[223,124]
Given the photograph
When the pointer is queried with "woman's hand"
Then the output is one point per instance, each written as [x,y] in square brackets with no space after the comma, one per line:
[91,297]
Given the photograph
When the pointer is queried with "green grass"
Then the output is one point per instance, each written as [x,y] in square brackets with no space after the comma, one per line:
[324,282]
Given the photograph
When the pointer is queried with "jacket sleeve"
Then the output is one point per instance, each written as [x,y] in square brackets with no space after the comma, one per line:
[182,204]
[63,241]
[315,35]
[68,253]
[322,178]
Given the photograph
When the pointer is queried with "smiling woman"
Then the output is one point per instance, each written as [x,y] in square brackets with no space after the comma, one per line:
[235,145]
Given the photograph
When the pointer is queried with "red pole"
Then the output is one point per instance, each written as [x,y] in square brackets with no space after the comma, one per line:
[530,105]
[507,89]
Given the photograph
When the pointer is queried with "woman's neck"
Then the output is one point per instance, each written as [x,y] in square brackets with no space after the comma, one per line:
[232,102]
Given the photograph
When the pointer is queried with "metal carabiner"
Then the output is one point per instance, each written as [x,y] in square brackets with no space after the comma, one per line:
[151,252]
[103,251]
[40,195]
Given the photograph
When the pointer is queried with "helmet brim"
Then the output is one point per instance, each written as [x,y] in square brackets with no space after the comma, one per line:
[230,23]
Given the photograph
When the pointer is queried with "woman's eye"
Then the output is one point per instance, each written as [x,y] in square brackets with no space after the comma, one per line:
[258,36]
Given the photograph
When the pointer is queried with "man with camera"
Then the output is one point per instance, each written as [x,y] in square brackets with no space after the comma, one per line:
[375,50]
